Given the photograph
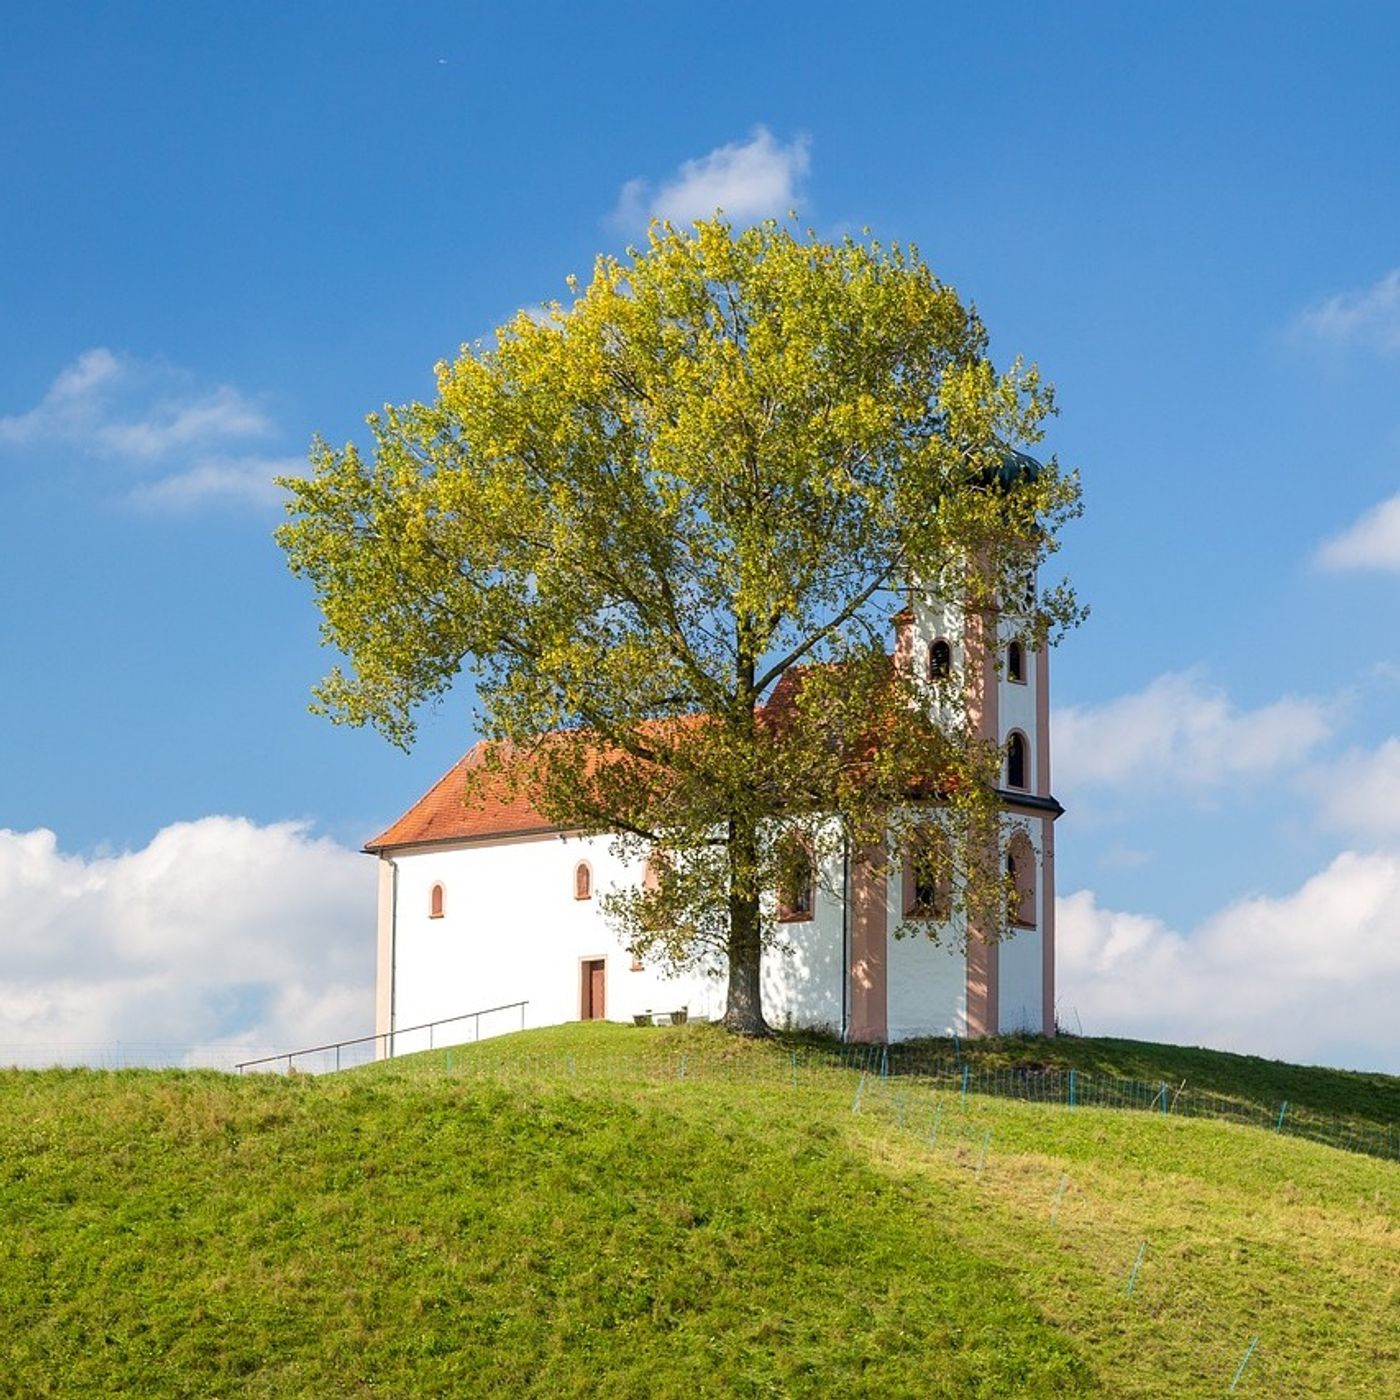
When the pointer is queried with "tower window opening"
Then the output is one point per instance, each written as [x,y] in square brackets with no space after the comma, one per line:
[435,902]
[1016,663]
[940,660]
[1016,761]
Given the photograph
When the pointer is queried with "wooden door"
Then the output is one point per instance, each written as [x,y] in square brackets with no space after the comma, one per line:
[593,1001]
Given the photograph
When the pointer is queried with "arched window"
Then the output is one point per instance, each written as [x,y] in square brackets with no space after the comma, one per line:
[928,875]
[583,881]
[435,902]
[797,894]
[1016,760]
[1020,869]
[1016,663]
[940,660]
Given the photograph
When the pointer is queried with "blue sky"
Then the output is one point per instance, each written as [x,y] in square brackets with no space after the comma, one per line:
[224,230]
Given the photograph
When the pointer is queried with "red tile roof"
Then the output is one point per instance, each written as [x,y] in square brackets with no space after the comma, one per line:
[442,813]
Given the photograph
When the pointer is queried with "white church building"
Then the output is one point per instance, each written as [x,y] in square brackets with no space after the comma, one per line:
[490,904]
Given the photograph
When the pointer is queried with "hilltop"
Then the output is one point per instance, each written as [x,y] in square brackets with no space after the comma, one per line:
[653,1212]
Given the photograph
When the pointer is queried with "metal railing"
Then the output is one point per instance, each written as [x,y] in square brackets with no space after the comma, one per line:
[385,1045]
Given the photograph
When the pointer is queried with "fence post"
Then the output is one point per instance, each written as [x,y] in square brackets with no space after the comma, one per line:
[967,1070]
[1253,1342]
[1278,1127]
[1071,1088]
[1137,1264]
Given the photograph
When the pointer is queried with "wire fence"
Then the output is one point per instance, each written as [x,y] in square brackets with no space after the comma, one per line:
[1134,1261]
[945,1111]
[1069,1088]
[1077,1089]
[1165,1278]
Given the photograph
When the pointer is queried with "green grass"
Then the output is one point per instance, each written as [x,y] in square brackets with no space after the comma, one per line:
[1373,1097]
[597,1209]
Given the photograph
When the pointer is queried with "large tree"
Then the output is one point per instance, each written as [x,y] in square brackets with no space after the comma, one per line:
[663,527]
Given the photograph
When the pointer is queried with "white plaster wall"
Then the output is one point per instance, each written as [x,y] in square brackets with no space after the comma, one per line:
[926,986]
[802,976]
[512,930]
[936,618]
[1019,982]
[1016,710]
[1020,973]
[927,982]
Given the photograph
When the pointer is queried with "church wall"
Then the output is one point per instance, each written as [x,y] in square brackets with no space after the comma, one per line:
[1019,994]
[512,930]
[927,988]
[1016,709]
[927,980]
[802,975]
[1020,964]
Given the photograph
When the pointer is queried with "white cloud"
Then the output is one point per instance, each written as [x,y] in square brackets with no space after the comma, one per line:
[171,425]
[1179,733]
[1312,977]
[1370,317]
[247,479]
[219,932]
[154,418]
[117,406]
[1357,791]
[1373,542]
[748,180]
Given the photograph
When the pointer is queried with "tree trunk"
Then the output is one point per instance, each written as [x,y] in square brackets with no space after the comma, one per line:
[744,1009]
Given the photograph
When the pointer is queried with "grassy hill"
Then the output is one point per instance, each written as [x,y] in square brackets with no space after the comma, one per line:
[597,1209]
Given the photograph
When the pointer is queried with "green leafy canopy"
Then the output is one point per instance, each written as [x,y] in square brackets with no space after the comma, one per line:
[708,478]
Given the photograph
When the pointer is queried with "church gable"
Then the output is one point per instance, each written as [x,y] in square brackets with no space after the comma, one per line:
[442,815]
